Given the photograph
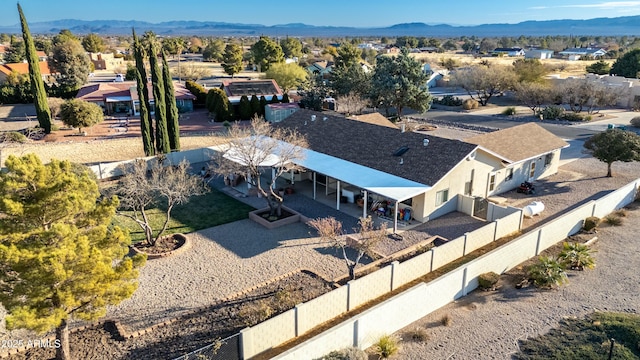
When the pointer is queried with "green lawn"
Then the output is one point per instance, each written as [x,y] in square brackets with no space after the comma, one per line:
[201,212]
[588,338]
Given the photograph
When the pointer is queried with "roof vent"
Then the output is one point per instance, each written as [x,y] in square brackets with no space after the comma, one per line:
[402,127]
[313,118]
[305,122]
[401,151]
[324,118]
[425,142]
[401,161]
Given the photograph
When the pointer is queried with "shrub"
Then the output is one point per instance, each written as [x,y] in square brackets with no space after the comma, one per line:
[488,280]
[470,104]
[552,112]
[446,320]
[351,353]
[509,111]
[252,314]
[576,256]
[620,213]
[448,100]
[571,116]
[13,137]
[386,346]
[635,122]
[613,220]
[547,273]
[418,335]
[591,223]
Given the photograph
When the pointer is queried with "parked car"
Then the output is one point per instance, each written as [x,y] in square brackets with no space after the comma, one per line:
[119,78]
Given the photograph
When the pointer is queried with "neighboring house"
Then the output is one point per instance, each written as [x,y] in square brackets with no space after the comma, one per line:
[106,61]
[122,97]
[521,153]
[280,111]
[23,69]
[319,66]
[3,50]
[541,54]
[393,50]
[514,51]
[408,169]
[578,53]
[236,88]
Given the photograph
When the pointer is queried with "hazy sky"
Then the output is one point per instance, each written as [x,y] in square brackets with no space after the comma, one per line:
[356,13]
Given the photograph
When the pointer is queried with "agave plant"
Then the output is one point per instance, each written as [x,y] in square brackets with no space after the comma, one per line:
[547,273]
[576,256]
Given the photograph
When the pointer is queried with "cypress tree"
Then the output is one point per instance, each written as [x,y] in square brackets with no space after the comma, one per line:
[143,98]
[256,109]
[274,99]
[263,103]
[244,108]
[173,126]
[285,98]
[162,136]
[210,102]
[37,85]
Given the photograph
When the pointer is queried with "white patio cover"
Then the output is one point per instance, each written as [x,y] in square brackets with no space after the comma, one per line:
[388,185]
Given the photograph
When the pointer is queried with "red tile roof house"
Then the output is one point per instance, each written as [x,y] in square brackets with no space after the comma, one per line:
[122,97]
[23,69]
[416,170]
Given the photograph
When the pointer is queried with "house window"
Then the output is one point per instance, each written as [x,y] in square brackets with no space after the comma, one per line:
[442,197]
[492,182]
[532,170]
[547,159]
[509,174]
[467,188]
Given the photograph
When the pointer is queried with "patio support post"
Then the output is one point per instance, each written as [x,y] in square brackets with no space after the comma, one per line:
[248,180]
[314,185]
[338,195]
[273,178]
[395,218]
[292,179]
[364,207]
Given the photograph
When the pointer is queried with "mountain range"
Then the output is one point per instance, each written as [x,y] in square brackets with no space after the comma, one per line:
[626,25]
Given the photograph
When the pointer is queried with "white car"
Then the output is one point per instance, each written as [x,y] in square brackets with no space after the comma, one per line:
[119,78]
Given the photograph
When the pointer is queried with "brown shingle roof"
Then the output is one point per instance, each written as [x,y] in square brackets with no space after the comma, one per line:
[373,146]
[520,142]
[374,118]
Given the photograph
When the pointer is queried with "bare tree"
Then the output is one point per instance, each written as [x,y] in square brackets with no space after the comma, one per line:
[145,185]
[351,104]
[191,71]
[482,83]
[251,151]
[533,95]
[330,231]
[587,93]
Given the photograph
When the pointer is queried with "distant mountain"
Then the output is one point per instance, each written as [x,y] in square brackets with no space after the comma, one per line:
[627,25]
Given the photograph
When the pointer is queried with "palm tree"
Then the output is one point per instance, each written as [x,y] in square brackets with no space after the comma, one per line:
[547,273]
[576,256]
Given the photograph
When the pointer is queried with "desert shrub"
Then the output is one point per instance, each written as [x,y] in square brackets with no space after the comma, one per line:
[509,111]
[448,100]
[252,314]
[552,112]
[446,320]
[613,220]
[351,353]
[386,346]
[547,273]
[571,116]
[635,122]
[418,335]
[470,104]
[13,137]
[591,223]
[620,213]
[488,280]
[576,256]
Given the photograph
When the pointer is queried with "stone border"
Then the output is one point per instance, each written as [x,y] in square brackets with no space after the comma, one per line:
[185,246]
[253,215]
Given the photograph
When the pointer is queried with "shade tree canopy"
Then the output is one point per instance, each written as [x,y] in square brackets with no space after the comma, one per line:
[80,114]
[614,145]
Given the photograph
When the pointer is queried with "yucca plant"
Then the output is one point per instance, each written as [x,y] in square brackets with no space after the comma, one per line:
[576,256]
[547,273]
[386,346]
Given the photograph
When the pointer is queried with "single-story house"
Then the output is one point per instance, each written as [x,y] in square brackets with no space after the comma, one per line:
[236,88]
[413,170]
[514,51]
[577,53]
[541,54]
[23,69]
[122,97]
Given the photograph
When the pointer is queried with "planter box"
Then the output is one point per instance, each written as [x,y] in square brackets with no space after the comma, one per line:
[253,215]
